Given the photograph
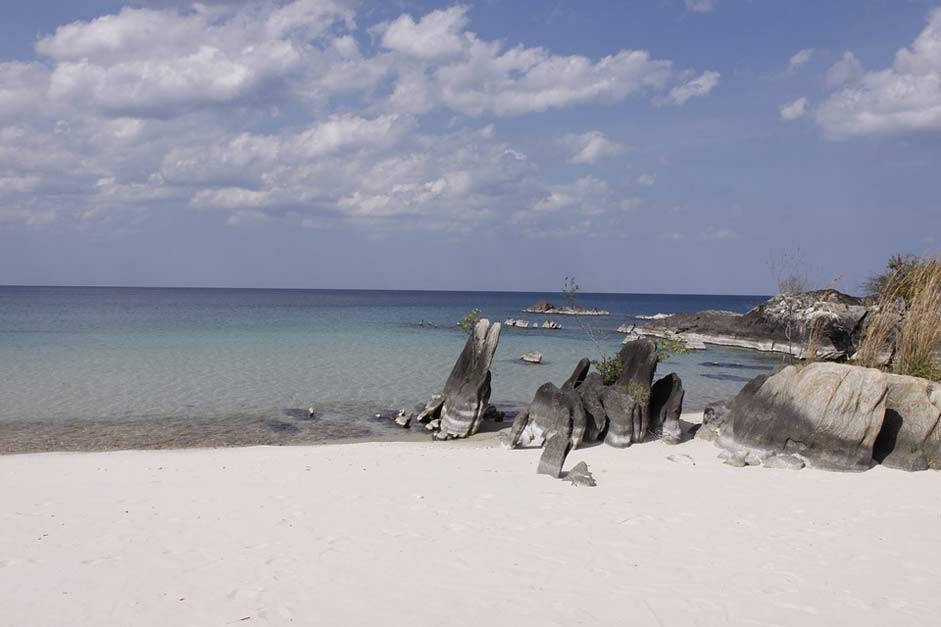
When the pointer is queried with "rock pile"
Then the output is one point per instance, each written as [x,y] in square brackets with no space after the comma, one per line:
[585,409]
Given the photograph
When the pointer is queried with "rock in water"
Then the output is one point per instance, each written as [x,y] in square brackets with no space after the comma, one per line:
[828,413]
[580,475]
[532,357]
[666,406]
[466,395]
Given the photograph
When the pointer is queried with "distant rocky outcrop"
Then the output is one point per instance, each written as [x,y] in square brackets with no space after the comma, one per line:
[781,324]
[466,396]
[545,307]
[524,324]
[831,416]
[585,409]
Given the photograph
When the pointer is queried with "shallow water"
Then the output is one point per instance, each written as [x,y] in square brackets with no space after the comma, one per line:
[130,367]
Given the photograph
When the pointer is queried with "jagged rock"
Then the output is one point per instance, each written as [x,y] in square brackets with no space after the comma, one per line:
[666,406]
[466,396]
[551,324]
[686,460]
[910,438]
[786,462]
[433,425]
[713,418]
[590,392]
[627,402]
[580,475]
[494,414]
[403,419]
[532,357]
[780,324]
[627,328]
[828,413]
[555,419]
[736,460]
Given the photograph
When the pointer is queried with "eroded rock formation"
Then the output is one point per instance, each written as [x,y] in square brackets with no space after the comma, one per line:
[585,409]
[466,396]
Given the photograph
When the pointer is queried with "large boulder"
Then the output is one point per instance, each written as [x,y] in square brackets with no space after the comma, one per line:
[829,414]
[466,396]
[910,438]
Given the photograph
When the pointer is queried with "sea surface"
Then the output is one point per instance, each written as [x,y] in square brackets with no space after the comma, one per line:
[102,368]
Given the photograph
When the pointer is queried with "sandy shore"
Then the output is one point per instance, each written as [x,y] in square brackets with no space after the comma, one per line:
[459,533]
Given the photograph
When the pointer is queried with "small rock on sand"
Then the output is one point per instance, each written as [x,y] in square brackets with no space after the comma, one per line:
[788,462]
[580,475]
[686,460]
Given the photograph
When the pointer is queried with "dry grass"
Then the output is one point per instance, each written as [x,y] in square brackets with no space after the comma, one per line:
[908,318]
[813,339]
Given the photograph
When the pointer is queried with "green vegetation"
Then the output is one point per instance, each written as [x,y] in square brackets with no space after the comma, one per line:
[468,322]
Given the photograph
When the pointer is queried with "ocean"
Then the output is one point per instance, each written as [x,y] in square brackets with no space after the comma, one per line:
[101,368]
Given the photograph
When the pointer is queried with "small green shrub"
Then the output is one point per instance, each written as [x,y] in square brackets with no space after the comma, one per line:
[468,322]
[609,368]
[667,346]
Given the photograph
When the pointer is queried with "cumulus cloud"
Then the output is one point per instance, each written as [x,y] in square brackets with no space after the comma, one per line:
[589,147]
[696,87]
[798,60]
[292,110]
[904,98]
[793,110]
[847,70]
[647,179]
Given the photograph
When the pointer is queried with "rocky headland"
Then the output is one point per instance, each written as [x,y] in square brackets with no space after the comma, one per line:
[545,307]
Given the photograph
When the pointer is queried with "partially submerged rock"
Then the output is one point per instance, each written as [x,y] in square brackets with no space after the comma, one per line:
[532,357]
[545,307]
[781,324]
[466,396]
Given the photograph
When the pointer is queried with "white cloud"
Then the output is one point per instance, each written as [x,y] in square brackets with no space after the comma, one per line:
[436,36]
[591,146]
[647,179]
[700,6]
[699,86]
[283,110]
[710,233]
[904,98]
[798,60]
[847,70]
[794,110]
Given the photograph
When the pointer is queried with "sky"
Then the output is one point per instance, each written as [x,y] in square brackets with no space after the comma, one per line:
[671,146]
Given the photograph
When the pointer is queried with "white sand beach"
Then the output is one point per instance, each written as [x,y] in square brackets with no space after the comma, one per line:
[459,533]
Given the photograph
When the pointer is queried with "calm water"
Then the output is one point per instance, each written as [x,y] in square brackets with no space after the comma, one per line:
[132,367]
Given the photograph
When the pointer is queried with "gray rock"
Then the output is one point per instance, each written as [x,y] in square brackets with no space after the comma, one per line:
[466,396]
[686,460]
[910,438]
[627,402]
[580,475]
[786,462]
[828,413]
[666,406]
[736,459]
[403,419]
[780,324]
[590,392]
[532,357]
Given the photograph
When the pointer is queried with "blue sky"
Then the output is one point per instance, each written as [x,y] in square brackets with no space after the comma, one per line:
[648,146]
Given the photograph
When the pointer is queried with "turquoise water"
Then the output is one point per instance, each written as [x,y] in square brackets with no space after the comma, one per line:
[92,367]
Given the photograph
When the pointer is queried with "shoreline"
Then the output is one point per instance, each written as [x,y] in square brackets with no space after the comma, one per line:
[272,535]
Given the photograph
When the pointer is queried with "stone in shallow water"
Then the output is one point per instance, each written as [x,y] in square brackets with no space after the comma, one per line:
[580,475]
[532,357]
[686,460]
